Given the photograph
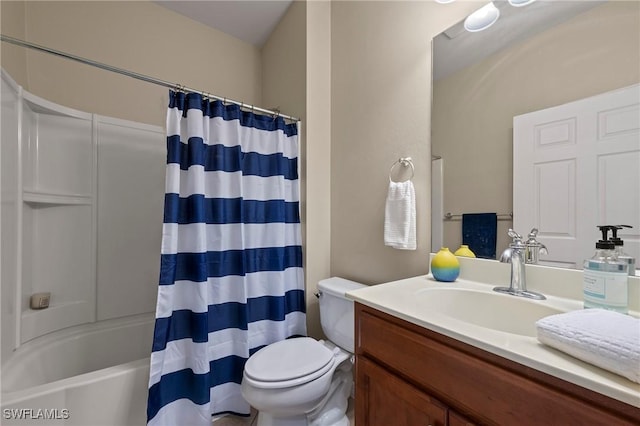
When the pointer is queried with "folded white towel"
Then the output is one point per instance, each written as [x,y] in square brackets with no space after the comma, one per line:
[607,339]
[400,216]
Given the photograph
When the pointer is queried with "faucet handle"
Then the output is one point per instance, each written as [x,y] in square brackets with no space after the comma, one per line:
[533,242]
[534,248]
[513,234]
[517,239]
[531,238]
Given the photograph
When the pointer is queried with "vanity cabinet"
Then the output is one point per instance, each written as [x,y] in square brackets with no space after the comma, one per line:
[389,400]
[409,375]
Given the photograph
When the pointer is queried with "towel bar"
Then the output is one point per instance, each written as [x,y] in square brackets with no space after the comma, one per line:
[502,216]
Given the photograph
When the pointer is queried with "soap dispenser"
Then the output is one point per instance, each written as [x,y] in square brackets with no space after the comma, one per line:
[605,279]
[622,256]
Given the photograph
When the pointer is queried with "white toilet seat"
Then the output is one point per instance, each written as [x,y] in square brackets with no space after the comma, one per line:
[287,363]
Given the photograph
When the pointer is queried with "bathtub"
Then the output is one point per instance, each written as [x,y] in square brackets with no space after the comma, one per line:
[93,374]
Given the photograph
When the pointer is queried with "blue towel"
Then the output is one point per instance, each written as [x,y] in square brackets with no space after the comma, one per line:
[479,232]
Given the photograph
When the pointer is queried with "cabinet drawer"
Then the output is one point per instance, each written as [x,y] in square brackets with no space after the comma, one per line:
[483,386]
[383,400]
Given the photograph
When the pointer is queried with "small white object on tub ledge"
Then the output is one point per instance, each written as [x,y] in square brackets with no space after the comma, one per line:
[40,300]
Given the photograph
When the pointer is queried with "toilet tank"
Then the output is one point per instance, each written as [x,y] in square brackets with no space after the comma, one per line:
[336,311]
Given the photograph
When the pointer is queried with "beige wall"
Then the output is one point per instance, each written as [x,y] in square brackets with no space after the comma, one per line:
[289,74]
[273,76]
[380,106]
[297,78]
[595,52]
[367,101]
[283,77]
[139,36]
[13,58]
[318,154]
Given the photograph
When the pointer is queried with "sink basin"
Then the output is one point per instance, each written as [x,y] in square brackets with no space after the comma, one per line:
[509,314]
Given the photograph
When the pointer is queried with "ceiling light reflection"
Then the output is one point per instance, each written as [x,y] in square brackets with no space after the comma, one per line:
[520,3]
[482,18]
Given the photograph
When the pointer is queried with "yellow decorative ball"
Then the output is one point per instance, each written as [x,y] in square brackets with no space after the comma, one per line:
[445,266]
[464,251]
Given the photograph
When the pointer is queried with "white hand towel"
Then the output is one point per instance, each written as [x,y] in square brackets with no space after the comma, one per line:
[400,216]
[607,339]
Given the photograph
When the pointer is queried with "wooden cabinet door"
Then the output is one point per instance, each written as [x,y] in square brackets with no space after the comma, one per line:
[383,399]
[457,419]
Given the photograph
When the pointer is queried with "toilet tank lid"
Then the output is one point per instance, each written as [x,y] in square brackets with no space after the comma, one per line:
[338,286]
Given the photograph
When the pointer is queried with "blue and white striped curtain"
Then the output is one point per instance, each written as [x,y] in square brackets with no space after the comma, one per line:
[231,278]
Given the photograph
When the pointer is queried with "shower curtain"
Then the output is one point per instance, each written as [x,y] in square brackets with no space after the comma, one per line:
[231,278]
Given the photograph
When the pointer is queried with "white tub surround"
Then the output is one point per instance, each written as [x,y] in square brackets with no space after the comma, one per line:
[71,213]
[408,299]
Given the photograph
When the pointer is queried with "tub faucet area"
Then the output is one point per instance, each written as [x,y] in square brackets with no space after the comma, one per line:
[516,254]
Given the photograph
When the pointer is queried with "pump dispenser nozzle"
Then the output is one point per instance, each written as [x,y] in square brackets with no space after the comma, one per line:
[614,231]
[605,243]
[618,244]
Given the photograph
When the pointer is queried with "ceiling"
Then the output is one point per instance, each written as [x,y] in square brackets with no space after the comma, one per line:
[457,48]
[249,20]
[254,20]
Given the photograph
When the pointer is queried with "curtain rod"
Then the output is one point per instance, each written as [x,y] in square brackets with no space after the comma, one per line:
[138,76]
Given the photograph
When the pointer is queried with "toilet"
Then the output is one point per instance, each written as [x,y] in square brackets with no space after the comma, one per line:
[302,381]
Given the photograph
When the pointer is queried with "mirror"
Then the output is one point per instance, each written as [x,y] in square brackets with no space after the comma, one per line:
[534,57]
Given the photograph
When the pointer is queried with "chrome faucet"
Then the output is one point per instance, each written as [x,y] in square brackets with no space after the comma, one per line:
[532,250]
[517,256]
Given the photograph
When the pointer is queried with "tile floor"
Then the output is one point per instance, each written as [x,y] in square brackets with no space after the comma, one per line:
[251,420]
[237,420]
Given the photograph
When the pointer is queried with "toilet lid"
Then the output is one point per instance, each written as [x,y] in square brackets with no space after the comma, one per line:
[288,359]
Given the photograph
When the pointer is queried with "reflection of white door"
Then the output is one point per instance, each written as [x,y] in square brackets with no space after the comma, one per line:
[576,166]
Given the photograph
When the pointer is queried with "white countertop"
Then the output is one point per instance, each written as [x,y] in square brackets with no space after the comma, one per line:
[398,299]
